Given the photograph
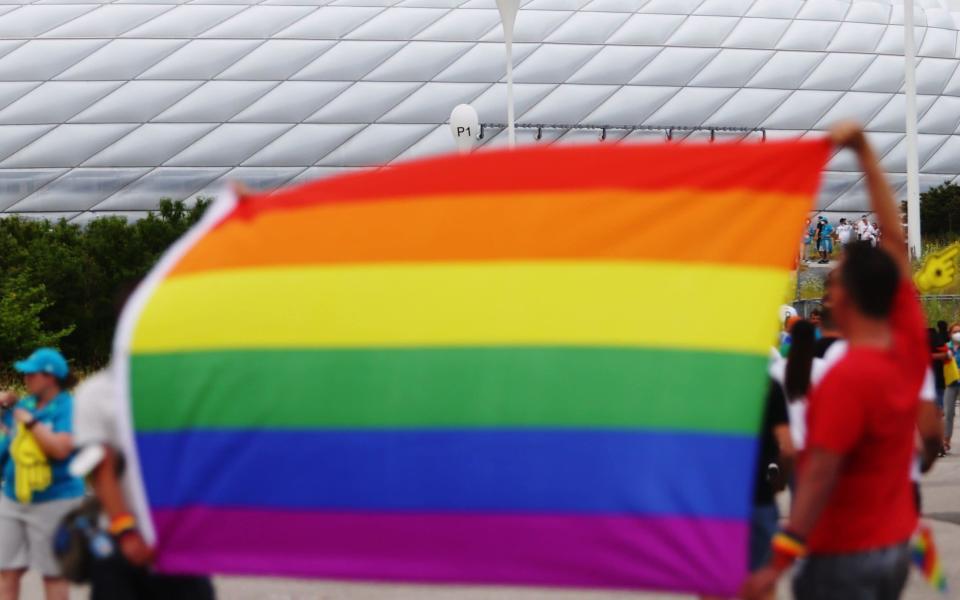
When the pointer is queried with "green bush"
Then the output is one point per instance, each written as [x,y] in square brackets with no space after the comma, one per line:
[21,328]
[940,212]
[60,282]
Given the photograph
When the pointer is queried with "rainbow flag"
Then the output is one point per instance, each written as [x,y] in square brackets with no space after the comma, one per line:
[923,550]
[539,367]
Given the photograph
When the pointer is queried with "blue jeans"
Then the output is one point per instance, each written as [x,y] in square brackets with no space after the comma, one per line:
[763,525]
[950,408]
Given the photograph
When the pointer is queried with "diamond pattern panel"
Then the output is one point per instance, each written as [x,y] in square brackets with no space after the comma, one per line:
[79,189]
[107,106]
[30,21]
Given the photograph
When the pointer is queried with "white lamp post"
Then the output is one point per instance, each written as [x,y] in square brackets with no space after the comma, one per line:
[913,159]
[508,18]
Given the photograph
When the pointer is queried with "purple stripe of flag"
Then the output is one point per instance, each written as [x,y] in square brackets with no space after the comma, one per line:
[670,553]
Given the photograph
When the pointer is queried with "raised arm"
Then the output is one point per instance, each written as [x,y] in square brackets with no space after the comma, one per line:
[850,135]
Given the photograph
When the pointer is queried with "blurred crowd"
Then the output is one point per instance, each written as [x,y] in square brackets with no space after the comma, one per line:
[821,239]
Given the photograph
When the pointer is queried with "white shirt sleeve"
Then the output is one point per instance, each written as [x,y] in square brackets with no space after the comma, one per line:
[928,391]
[94,416]
[832,356]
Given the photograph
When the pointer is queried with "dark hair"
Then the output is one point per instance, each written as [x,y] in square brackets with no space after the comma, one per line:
[817,312]
[826,319]
[803,339]
[871,278]
[943,329]
[936,339]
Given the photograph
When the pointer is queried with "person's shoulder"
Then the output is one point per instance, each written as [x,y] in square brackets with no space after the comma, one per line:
[819,369]
[844,365]
[778,369]
[27,402]
[65,399]
[95,386]
[834,353]
[854,368]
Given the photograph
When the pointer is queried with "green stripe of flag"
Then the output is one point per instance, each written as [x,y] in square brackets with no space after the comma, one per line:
[449,388]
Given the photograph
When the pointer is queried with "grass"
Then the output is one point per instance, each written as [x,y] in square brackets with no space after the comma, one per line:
[811,289]
[941,310]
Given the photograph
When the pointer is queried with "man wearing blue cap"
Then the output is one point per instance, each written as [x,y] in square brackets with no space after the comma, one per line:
[38,490]
[824,240]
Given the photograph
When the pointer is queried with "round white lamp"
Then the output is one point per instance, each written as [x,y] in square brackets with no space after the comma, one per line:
[465,127]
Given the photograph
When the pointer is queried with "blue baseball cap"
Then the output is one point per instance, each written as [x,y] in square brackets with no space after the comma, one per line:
[44,360]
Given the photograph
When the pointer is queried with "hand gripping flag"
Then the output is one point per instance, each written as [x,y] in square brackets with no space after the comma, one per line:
[539,367]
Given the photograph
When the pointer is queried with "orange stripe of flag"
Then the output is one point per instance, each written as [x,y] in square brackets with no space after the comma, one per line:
[684,225]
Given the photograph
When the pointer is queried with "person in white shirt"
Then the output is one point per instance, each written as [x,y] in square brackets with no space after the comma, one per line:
[797,374]
[127,575]
[862,226]
[844,232]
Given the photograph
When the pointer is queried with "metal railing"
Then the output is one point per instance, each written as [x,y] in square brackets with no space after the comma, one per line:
[668,130]
[938,307]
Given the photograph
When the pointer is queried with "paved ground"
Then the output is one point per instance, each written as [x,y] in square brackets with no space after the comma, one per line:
[941,504]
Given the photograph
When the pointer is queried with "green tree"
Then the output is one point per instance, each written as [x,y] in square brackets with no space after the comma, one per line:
[21,327]
[69,277]
[940,211]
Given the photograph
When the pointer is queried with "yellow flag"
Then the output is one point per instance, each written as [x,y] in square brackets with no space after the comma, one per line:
[32,472]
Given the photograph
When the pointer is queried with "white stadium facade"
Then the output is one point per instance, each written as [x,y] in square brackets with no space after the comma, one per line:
[107,107]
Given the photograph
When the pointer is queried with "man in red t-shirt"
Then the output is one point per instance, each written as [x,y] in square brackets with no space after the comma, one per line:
[854,512]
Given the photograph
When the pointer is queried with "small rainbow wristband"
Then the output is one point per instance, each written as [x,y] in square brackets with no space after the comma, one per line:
[787,548]
[122,524]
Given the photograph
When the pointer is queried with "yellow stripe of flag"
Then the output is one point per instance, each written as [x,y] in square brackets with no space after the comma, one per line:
[464,304]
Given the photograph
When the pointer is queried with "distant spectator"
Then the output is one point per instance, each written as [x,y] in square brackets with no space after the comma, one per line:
[829,333]
[874,234]
[38,490]
[862,226]
[824,240]
[938,354]
[944,330]
[952,391]
[797,375]
[844,232]
[774,469]
[815,316]
[785,336]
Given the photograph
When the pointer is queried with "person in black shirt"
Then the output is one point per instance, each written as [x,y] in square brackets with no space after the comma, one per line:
[819,239]
[938,354]
[828,333]
[943,328]
[774,464]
